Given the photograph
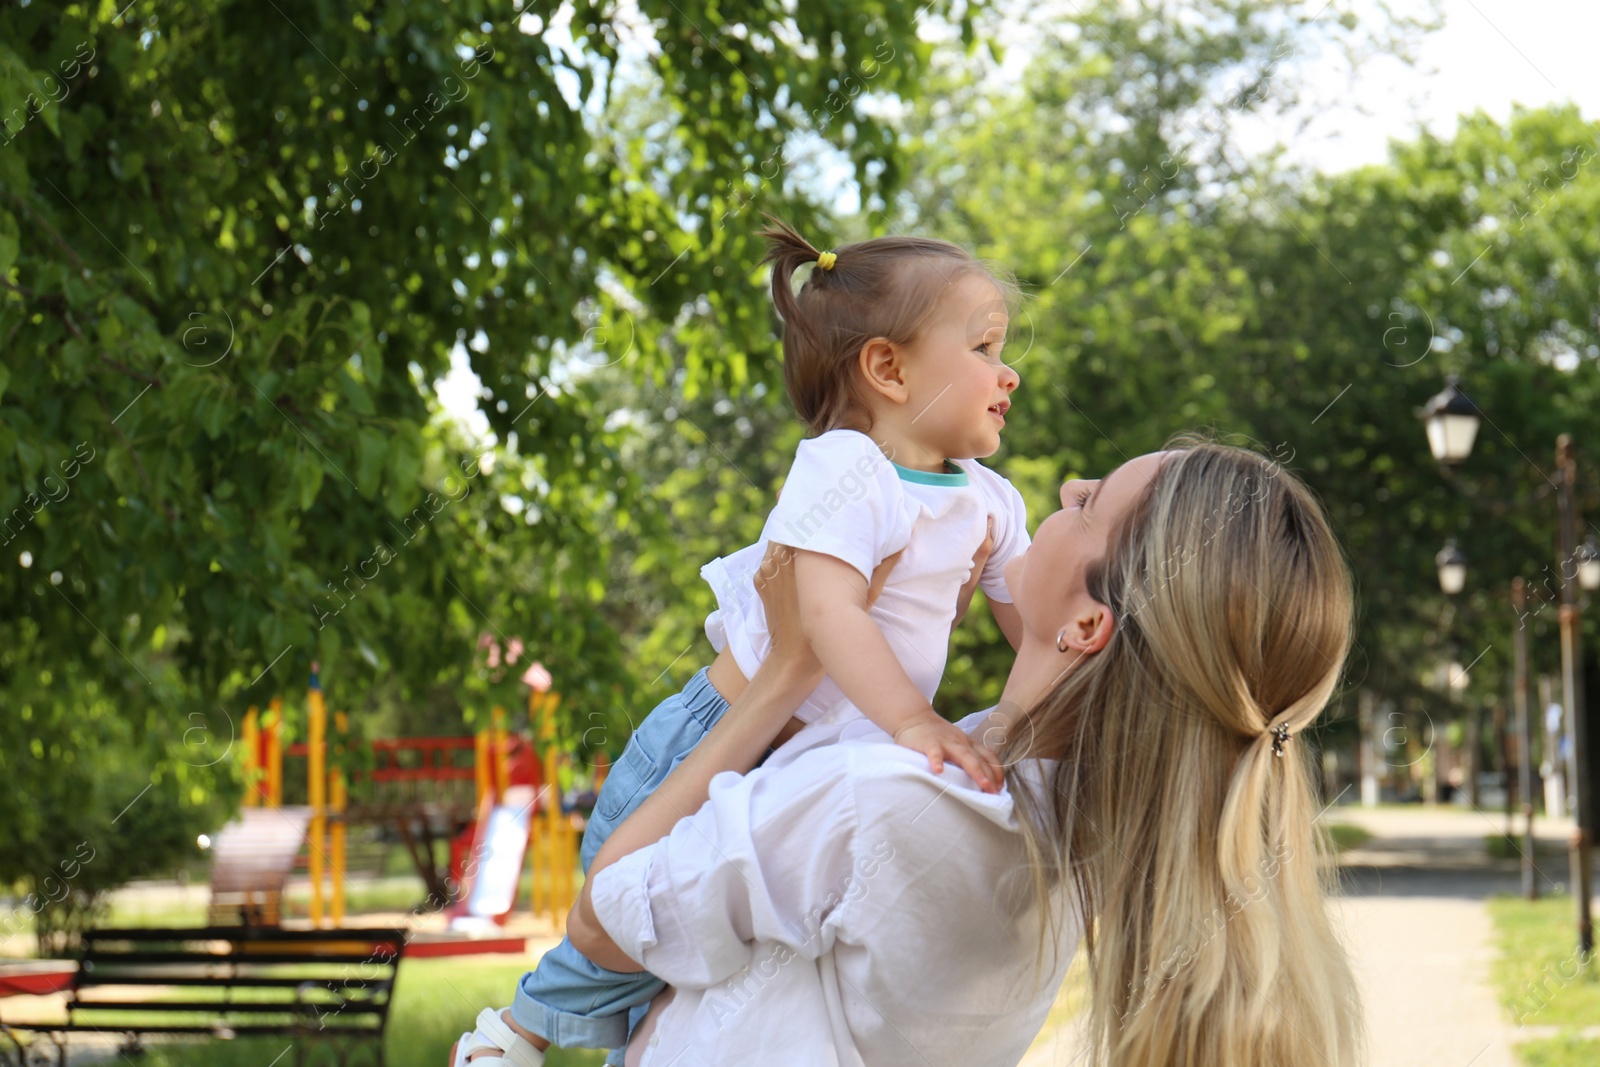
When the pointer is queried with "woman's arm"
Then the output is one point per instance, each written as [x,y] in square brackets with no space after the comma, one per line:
[735,743]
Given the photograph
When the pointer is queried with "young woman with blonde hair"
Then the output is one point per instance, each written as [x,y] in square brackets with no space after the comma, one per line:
[1185,620]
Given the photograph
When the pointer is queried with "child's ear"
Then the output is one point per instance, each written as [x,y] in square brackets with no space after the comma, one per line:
[882,366]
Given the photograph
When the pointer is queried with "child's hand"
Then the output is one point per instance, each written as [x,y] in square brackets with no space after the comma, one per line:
[940,740]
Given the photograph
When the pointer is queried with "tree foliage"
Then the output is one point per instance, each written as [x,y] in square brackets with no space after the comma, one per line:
[1178,283]
[238,244]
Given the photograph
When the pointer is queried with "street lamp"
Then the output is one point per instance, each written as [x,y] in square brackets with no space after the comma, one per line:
[1589,565]
[1451,420]
[1453,568]
[1452,423]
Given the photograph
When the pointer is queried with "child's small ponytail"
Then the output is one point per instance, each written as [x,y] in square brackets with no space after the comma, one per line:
[787,251]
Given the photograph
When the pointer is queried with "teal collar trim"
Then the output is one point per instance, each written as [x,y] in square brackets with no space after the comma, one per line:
[955,475]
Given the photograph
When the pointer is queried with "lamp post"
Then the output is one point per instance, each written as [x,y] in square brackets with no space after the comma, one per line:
[1519,697]
[1572,568]
[1451,419]
[1452,565]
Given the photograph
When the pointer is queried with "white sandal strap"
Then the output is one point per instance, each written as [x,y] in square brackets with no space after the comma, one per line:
[469,1043]
[493,1033]
[475,1042]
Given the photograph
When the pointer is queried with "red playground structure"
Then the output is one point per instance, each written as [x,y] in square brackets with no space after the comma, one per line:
[492,797]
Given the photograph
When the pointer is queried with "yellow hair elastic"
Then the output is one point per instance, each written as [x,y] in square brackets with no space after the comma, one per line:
[826,260]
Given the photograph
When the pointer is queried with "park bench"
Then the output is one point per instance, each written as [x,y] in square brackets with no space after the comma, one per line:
[333,986]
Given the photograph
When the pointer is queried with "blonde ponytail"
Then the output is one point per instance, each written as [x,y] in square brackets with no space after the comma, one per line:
[1188,844]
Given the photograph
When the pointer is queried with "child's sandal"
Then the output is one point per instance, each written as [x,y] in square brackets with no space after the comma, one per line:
[493,1033]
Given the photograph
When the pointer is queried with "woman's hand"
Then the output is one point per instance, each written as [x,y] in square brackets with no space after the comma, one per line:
[780,596]
[979,558]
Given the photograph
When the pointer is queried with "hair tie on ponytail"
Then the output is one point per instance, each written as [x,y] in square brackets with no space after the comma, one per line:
[1280,735]
[826,260]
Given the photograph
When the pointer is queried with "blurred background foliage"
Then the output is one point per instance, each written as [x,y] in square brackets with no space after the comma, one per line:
[240,244]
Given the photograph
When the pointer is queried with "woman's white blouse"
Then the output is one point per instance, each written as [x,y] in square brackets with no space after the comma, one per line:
[849,907]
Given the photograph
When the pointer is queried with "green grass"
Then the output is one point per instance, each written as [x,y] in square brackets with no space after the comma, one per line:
[396,895]
[1501,847]
[1560,1052]
[402,894]
[435,1002]
[1346,835]
[153,913]
[1541,978]
[360,897]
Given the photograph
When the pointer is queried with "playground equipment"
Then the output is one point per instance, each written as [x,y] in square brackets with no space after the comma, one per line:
[251,860]
[486,858]
[509,819]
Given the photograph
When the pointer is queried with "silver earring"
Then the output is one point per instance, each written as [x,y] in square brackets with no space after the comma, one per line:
[1061,640]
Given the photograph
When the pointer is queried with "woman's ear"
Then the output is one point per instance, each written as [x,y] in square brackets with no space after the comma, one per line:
[882,365]
[1088,632]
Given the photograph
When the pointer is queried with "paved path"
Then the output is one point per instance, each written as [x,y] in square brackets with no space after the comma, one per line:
[1412,913]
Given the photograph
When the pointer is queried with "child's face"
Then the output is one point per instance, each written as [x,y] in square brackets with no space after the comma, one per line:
[958,387]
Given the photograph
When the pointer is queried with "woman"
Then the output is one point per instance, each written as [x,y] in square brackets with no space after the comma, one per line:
[1185,620]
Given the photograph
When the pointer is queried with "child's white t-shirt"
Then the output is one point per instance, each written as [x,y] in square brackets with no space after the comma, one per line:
[845,499]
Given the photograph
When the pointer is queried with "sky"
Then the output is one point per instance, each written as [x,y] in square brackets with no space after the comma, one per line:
[1488,55]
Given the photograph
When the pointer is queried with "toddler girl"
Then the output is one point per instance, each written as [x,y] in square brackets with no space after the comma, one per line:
[892,358]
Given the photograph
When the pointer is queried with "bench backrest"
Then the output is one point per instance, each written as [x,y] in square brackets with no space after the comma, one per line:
[234,978]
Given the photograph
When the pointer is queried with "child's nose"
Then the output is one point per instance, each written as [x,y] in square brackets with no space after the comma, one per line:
[1009,378]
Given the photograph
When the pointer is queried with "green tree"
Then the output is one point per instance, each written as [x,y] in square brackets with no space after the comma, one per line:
[239,242]
[1177,283]
[1464,256]
[1110,180]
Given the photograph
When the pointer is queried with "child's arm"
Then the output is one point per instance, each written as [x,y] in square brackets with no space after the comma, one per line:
[857,656]
[1010,620]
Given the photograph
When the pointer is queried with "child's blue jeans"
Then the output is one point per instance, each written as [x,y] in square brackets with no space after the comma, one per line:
[566,999]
